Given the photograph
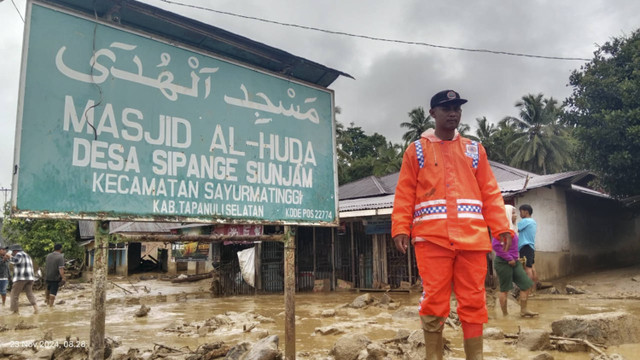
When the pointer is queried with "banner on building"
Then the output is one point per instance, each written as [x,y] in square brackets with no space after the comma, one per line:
[189,251]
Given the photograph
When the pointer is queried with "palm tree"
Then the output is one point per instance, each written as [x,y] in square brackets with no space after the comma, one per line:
[420,122]
[540,143]
[388,159]
[463,130]
[486,130]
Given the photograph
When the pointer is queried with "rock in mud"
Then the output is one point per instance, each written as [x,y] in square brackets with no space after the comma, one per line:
[612,328]
[143,311]
[349,346]
[362,301]
[570,289]
[534,339]
[236,352]
[328,330]
[264,349]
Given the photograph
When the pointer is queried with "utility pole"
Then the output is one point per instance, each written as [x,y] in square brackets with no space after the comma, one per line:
[6,192]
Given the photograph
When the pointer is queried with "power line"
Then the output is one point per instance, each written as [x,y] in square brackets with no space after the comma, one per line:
[419,43]
[15,6]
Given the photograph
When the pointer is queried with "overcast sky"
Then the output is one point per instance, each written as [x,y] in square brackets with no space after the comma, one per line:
[392,78]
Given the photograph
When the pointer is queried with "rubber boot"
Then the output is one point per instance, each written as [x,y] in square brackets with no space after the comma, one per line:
[473,348]
[52,299]
[524,312]
[46,296]
[432,327]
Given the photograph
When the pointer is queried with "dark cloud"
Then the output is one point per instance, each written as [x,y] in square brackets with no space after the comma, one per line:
[391,78]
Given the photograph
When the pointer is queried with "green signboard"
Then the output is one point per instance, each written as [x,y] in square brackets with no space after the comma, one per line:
[113,124]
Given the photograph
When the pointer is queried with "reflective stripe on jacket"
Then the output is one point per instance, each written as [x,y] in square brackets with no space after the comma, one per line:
[447,194]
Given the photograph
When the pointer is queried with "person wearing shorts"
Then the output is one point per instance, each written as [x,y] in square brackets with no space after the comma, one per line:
[54,273]
[527,228]
[510,270]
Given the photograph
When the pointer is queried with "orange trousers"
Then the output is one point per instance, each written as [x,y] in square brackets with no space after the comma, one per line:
[442,269]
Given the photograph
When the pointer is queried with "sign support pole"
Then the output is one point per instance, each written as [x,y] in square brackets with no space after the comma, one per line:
[289,292]
[96,344]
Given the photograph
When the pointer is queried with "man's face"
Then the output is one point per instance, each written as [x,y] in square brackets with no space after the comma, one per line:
[447,116]
[2,252]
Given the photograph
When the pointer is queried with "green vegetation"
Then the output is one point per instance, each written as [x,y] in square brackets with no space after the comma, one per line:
[605,110]
[37,236]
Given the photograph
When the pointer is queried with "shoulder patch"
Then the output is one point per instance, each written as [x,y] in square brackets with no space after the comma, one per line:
[471,150]
[419,153]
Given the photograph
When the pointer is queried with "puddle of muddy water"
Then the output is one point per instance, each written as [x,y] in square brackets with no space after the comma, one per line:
[174,304]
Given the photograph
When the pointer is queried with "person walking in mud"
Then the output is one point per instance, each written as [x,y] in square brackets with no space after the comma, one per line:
[54,273]
[445,197]
[510,269]
[527,228]
[23,278]
[4,274]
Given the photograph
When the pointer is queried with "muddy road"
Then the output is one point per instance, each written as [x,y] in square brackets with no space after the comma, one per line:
[185,315]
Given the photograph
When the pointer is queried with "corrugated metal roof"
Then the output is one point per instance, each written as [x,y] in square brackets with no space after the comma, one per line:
[504,172]
[373,193]
[517,186]
[367,187]
[87,227]
[378,202]
[155,21]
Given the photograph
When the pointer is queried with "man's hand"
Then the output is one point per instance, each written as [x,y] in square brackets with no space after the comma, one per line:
[402,243]
[505,239]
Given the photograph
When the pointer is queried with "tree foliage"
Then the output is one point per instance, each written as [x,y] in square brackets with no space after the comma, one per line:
[605,108]
[540,143]
[419,122]
[38,236]
[361,155]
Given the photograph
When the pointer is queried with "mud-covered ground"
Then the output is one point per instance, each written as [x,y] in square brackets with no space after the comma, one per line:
[184,316]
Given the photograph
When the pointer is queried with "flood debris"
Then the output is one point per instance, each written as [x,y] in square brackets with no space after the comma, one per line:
[609,328]
[143,311]
[23,326]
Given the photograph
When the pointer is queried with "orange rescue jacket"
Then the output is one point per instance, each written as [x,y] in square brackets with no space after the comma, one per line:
[447,194]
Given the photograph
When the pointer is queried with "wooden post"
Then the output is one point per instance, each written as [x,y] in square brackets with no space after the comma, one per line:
[333,259]
[353,256]
[289,292]
[96,343]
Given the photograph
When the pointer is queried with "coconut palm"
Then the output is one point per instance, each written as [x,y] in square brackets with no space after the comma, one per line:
[420,122]
[464,129]
[485,130]
[388,160]
[540,143]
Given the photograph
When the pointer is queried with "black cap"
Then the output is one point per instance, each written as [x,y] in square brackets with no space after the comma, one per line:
[447,97]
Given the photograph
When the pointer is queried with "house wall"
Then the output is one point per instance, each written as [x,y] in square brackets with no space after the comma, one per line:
[552,238]
[603,233]
[550,213]
[579,232]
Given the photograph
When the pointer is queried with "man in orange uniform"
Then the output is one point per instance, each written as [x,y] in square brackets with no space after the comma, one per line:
[445,198]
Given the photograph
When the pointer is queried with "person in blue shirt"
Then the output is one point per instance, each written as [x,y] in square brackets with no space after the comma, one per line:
[527,246]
